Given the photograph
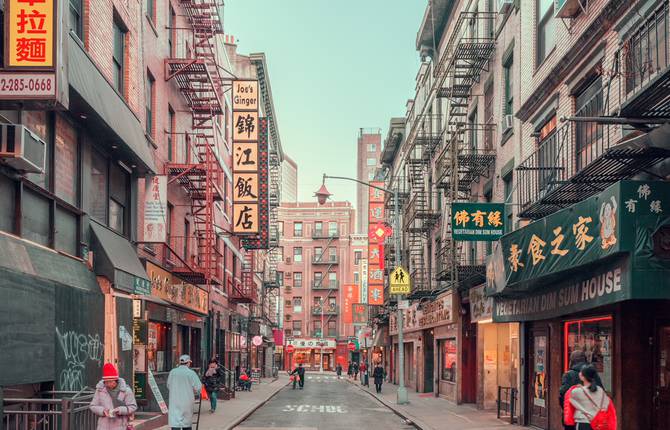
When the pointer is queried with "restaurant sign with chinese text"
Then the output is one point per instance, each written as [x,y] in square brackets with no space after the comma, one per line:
[172,289]
[478,221]
[628,217]
[436,313]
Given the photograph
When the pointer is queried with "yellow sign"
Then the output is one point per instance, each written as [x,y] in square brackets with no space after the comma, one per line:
[399,281]
[245,218]
[245,187]
[245,95]
[30,33]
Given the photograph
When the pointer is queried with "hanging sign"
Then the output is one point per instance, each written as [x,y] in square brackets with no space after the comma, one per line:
[399,281]
[478,221]
[351,296]
[157,393]
[155,209]
[359,312]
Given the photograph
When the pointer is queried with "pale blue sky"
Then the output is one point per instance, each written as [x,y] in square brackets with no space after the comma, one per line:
[334,66]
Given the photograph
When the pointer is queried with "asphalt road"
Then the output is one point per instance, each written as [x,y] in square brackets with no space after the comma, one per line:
[325,403]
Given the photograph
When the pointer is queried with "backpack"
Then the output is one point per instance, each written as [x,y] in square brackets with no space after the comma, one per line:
[604,419]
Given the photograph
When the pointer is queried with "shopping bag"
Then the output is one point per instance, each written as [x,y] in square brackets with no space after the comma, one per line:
[203,394]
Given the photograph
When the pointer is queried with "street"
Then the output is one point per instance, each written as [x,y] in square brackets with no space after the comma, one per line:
[325,403]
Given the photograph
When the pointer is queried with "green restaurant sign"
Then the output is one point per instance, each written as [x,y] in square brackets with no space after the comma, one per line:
[610,247]
[477,221]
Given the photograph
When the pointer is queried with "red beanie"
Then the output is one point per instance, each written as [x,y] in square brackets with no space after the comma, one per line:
[109,372]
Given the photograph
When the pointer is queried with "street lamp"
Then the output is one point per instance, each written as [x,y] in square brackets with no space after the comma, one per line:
[322,196]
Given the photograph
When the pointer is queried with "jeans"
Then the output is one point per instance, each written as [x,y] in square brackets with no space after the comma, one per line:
[583,426]
[212,399]
[378,387]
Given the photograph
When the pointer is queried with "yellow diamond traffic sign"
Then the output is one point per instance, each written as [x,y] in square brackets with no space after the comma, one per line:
[399,281]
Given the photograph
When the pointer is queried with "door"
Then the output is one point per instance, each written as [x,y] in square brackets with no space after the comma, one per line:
[468,360]
[662,378]
[428,361]
[538,380]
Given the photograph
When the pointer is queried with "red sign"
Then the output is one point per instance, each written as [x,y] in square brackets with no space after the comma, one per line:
[290,349]
[351,346]
[379,231]
[351,296]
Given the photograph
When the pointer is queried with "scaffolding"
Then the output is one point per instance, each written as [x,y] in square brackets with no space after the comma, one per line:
[331,287]
[194,163]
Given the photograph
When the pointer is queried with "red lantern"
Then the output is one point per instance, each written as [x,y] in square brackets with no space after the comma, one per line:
[351,346]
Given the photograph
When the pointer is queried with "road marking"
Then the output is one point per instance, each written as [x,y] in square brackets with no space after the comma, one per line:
[315,409]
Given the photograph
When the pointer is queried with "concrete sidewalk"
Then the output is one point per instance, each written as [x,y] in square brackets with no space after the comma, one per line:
[433,413]
[229,413]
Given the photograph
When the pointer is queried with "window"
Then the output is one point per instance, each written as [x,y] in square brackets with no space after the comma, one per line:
[39,122]
[332,328]
[297,229]
[371,176]
[98,187]
[647,49]
[297,279]
[472,135]
[35,224]
[66,167]
[332,253]
[297,254]
[589,102]
[149,102]
[280,278]
[171,23]
[594,338]
[508,105]
[297,328]
[76,26]
[488,197]
[280,226]
[507,190]
[358,255]
[545,28]
[372,147]
[318,253]
[372,162]
[118,57]
[187,234]
[448,354]
[488,117]
[318,278]
[318,228]
[119,197]
[317,328]
[297,303]
[151,9]
[7,204]
[332,279]
[332,229]
[280,253]
[170,133]
[356,278]
[66,237]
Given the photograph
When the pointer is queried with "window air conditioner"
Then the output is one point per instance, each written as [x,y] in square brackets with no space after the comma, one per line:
[504,6]
[21,149]
[508,123]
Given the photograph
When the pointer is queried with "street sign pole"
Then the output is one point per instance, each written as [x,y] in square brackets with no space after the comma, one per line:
[402,391]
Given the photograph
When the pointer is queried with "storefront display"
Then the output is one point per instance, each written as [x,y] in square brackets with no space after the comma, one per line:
[448,358]
[158,346]
[592,336]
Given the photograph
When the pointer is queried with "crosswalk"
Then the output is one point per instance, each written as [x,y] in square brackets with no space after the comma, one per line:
[324,379]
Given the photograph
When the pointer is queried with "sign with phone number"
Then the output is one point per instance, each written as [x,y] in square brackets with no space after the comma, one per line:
[27,85]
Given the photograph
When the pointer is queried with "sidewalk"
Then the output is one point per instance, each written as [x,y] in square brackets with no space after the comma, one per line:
[433,413]
[229,413]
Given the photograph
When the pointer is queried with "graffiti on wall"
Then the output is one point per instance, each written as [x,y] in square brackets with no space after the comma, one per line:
[80,351]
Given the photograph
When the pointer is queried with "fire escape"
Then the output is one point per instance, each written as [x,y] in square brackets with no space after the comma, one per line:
[193,156]
[468,151]
[332,286]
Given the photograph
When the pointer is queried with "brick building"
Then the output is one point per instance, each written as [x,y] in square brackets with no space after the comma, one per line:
[368,148]
[316,264]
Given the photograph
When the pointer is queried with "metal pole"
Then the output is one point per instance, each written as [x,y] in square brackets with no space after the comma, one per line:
[321,363]
[402,391]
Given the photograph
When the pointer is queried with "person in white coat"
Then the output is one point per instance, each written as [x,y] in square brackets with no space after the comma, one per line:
[183,384]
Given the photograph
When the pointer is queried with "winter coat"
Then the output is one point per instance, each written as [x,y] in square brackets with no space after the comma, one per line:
[338,369]
[570,379]
[568,408]
[363,368]
[213,383]
[102,401]
[355,367]
[183,384]
[300,371]
[587,404]
[350,369]
[378,374]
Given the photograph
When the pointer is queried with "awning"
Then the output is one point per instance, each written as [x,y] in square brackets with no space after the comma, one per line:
[380,337]
[230,245]
[106,114]
[115,258]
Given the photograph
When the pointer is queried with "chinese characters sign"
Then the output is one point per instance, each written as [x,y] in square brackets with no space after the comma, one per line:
[172,289]
[351,296]
[247,171]
[155,208]
[262,240]
[359,313]
[478,221]
[433,314]
[30,34]
[377,231]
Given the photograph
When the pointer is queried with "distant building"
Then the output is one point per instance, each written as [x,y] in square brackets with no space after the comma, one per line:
[289,178]
[368,151]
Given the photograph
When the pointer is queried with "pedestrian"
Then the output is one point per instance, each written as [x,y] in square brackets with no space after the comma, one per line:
[113,401]
[571,378]
[212,382]
[593,409]
[378,375]
[245,381]
[338,370]
[364,374]
[355,370]
[299,376]
[183,384]
[350,370]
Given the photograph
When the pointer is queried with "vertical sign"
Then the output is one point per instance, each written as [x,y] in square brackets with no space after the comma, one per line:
[155,209]
[375,287]
[262,241]
[351,296]
[363,281]
[246,169]
[359,313]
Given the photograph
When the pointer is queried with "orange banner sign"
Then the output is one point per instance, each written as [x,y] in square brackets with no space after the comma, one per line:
[351,296]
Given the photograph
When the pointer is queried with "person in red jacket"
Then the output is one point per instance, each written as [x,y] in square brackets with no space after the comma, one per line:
[593,409]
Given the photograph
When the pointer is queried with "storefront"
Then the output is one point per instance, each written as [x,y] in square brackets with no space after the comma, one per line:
[166,324]
[429,331]
[592,278]
[312,353]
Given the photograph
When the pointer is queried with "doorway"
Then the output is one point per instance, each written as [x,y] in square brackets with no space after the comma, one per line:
[538,378]
[468,360]
[661,414]
[428,361]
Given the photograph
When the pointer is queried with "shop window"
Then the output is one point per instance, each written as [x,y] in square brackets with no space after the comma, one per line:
[158,346]
[448,355]
[593,337]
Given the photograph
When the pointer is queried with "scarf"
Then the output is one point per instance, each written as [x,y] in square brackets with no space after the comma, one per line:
[114,394]
[211,371]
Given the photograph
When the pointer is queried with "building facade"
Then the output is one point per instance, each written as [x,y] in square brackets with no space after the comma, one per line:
[368,148]
[289,180]
[528,105]
[316,265]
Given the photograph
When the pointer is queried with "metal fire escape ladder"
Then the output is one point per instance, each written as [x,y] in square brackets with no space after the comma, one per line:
[197,168]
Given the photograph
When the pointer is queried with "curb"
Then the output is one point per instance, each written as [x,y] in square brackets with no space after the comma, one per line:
[253,409]
[407,417]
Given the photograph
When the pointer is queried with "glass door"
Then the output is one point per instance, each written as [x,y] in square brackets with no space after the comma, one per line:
[539,378]
[662,378]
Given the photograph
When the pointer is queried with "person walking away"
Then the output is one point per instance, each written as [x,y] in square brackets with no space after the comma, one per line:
[593,409]
[356,370]
[378,375]
[364,374]
[338,370]
[212,382]
[183,384]
[350,370]
[299,373]
[113,401]
[571,378]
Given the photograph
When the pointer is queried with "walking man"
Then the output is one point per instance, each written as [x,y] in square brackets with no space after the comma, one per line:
[378,375]
[338,370]
[183,384]
[355,370]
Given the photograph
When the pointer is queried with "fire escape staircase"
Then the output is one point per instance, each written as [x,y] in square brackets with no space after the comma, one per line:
[196,167]
[331,289]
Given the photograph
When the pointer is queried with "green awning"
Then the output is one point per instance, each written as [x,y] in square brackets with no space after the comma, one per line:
[116,259]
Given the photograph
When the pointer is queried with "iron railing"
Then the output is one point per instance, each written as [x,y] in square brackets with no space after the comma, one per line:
[52,410]
[330,259]
[506,403]
[325,285]
[328,310]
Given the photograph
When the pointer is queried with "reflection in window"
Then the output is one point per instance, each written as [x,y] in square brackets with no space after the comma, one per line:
[594,338]
[448,355]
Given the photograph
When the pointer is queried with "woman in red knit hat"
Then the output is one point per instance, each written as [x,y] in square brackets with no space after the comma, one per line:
[114,401]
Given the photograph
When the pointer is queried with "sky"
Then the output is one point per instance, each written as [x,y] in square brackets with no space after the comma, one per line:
[334,67]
